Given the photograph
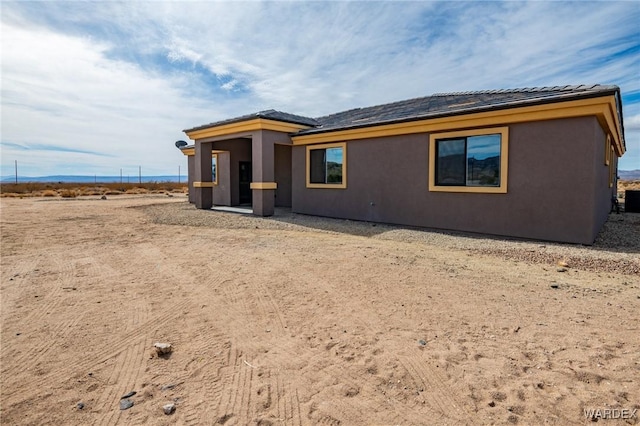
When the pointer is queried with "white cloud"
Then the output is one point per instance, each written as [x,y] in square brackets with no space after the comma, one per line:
[127,77]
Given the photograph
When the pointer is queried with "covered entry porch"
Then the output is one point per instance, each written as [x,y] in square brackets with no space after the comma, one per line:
[245,163]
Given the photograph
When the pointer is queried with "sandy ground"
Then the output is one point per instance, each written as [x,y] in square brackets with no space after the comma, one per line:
[300,321]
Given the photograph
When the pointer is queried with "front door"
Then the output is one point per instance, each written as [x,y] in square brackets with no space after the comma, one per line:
[245,182]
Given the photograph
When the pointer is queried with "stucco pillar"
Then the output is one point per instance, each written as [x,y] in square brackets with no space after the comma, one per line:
[263,184]
[202,184]
[191,173]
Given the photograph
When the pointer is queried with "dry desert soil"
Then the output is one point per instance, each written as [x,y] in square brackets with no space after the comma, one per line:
[297,320]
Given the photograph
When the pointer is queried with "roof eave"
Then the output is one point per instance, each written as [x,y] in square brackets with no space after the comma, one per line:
[485,108]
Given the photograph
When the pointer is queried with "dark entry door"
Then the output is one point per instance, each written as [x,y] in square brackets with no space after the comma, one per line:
[245,182]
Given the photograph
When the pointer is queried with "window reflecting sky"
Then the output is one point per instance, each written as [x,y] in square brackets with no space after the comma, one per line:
[482,147]
[334,155]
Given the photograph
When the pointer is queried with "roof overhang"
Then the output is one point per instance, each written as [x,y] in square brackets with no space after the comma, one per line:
[604,108]
[188,150]
[247,126]
[191,150]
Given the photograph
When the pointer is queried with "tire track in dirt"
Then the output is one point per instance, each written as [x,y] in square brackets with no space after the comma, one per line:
[232,387]
[65,279]
[232,378]
[203,411]
[111,349]
[123,379]
[357,399]
[269,307]
[17,271]
[30,357]
[211,352]
[436,393]
[287,402]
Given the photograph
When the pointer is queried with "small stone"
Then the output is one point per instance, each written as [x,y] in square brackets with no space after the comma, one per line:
[104,197]
[162,348]
[422,342]
[128,395]
[561,269]
[555,286]
[492,404]
[169,408]
[80,405]
[125,404]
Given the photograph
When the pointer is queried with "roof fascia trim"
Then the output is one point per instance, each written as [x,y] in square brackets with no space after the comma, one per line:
[245,126]
[602,107]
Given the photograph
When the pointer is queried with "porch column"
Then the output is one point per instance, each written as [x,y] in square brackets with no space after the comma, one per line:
[263,184]
[191,173]
[202,184]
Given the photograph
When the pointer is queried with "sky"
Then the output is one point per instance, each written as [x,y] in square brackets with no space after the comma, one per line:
[92,88]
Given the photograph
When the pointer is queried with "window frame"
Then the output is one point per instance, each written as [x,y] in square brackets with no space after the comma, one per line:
[504,160]
[214,158]
[607,150]
[612,166]
[310,148]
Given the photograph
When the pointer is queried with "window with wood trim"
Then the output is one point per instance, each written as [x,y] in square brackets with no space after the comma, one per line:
[469,161]
[327,166]
[607,150]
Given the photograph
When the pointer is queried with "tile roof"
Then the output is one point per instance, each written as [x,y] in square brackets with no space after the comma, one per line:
[437,105]
[447,104]
[270,114]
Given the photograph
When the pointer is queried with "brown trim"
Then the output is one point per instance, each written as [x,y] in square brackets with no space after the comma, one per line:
[263,185]
[204,184]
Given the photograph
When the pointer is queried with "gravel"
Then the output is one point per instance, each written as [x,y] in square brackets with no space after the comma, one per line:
[616,249]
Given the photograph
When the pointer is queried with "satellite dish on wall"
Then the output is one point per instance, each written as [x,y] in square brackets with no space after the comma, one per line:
[180,144]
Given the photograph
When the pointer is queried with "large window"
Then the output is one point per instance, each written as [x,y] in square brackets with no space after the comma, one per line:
[326,166]
[469,161]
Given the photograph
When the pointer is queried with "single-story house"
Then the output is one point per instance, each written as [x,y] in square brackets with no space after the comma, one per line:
[537,163]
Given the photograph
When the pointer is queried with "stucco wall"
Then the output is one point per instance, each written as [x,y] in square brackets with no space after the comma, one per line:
[551,187]
[603,193]
[191,170]
[228,191]
[283,175]
[222,192]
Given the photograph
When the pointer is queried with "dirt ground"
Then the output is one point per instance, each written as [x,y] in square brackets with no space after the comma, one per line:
[282,323]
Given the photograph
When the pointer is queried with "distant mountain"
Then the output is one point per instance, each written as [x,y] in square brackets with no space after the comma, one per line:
[629,174]
[92,179]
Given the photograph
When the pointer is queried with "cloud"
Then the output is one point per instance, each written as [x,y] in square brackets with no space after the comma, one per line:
[50,147]
[126,77]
